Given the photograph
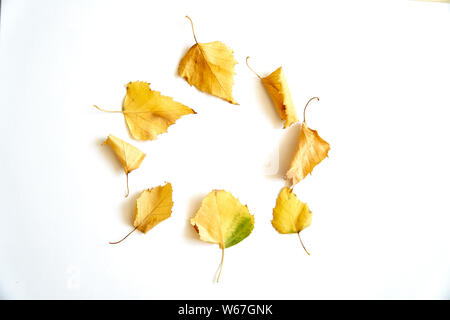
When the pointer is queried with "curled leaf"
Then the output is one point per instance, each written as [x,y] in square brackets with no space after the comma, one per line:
[152,206]
[129,156]
[210,68]
[222,219]
[311,150]
[278,90]
[290,215]
[147,112]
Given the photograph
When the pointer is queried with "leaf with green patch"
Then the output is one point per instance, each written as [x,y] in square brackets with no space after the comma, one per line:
[222,219]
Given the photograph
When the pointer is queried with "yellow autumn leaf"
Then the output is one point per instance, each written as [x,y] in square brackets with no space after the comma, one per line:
[152,206]
[311,150]
[147,112]
[222,219]
[129,156]
[210,68]
[290,215]
[278,90]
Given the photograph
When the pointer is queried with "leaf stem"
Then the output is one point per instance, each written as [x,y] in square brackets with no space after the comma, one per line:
[124,237]
[106,110]
[246,61]
[128,189]
[221,265]
[304,110]
[193,32]
[302,243]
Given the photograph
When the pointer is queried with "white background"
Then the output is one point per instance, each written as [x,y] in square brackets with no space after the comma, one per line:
[381,211]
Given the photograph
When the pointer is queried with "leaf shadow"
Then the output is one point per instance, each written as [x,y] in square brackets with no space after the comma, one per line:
[288,147]
[127,214]
[194,204]
[128,206]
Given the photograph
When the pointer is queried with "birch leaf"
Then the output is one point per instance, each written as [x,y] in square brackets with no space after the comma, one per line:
[129,156]
[278,90]
[148,113]
[290,215]
[210,68]
[311,150]
[152,206]
[222,219]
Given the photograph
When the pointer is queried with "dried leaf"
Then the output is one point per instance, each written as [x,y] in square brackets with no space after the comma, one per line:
[129,156]
[277,87]
[147,112]
[311,150]
[290,215]
[278,90]
[210,68]
[222,219]
[152,206]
